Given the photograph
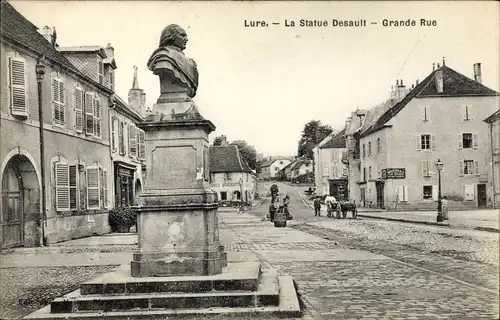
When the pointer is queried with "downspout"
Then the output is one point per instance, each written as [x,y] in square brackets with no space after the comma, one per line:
[40,72]
[492,148]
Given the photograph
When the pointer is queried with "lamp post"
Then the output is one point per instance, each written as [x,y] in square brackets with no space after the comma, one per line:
[40,73]
[440,216]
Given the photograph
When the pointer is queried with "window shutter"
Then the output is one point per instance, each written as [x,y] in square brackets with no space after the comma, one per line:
[93,196]
[476,167]
[132,141]
[89,113]
[461,166]
[435,193]
[427,114]
[62,187]
[460,141]
[18,87]
[120,137]
[474,140]
[58,116]
[419,141]
[97,116]
[78,110]
[62,102]
[405,189]
[433,142]
[469,192]
[105,188]
[113,131]
[142,144]
[73,187]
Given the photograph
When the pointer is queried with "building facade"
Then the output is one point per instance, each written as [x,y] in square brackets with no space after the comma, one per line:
[272,166]
[230,176]
[68,165]
[494,128]
[398,147]
[330,170]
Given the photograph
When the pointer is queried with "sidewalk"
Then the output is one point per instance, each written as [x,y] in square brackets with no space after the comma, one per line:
[486,220]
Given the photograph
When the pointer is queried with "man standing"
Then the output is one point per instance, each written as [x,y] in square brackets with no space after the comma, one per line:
[317,206]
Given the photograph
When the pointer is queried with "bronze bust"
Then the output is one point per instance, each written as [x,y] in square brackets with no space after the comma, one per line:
[177,72]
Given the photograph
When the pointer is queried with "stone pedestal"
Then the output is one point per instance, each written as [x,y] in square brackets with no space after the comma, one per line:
[177,212]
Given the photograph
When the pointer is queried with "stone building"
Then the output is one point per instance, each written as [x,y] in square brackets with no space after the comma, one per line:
[230,176]
[66,164]
[271,167]
[330,171]
[494,127]
[393,147]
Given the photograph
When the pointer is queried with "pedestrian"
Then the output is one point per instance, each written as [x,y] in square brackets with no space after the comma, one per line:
[317,206]
[444,207]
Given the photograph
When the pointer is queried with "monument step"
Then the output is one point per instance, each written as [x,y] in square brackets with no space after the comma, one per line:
[283,304]
[238,276]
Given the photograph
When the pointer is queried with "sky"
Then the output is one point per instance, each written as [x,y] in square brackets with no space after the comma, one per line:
[263,84]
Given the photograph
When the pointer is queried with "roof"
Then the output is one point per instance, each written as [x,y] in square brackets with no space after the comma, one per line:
[455,85]
[227,159]
[337,141]
[493,117]
[299,163]
[125,108]
[16,28]
[269,162]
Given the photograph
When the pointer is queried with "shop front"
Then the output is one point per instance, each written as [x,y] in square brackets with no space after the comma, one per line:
[124,184]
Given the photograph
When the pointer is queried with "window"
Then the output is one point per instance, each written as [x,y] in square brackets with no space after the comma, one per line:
[223,195]
[113,134]
[101,72]
[430,192]
[469,167]
[379,145]
[103,188]
[141,144]
[467,141]
[466,113]
[92,114]
[426,142]
[18,87]
[78,95]
[121,138]
[425,113]
[97,189]
[132,141]
[402,194]
[58,99]
[426,168]
[97,116]
[66,187]
[364,150]
[370,172]
[276,168]
[227,176]
[369,148]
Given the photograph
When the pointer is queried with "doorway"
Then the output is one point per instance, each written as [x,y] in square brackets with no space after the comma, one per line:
[481,195]
[380,194]
[363,197]
[20,204]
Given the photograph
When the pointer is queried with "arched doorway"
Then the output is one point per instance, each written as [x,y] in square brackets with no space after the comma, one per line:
[138,190]
[20,204]
[236,195]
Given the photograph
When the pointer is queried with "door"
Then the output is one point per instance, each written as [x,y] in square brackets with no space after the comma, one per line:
[363,198]
[481,195]
[12,213]
[380,194]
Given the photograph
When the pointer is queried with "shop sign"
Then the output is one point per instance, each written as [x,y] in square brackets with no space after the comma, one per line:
[394,173]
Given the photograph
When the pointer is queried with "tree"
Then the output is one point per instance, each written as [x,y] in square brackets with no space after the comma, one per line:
[248,152]
[217,141]
[312,134]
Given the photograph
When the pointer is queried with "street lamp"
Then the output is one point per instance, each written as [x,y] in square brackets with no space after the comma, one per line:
[440,216]
[40,73]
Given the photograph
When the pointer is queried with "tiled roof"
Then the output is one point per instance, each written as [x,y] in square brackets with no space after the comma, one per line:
[15,27]
[455,84]
[273,159]
[297,164]
[227,159]
[337,141]
[493,117]
[126,108]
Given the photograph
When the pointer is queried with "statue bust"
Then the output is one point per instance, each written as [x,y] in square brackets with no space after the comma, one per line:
[177,72]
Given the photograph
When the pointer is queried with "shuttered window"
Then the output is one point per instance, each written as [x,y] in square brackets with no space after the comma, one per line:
[78,109]
[142,144]
[18,87]
[62,187]
[132,141]
[73,187]
[426,166]
[121,138]
[402,193]
[89,113]
[97,116]
[93,188]
[113,132]
[58,99]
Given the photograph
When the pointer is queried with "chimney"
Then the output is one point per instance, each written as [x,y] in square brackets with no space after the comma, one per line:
[110,51]
[443,62]
[477,72]
[439,81]
[48,34]
[416,83]
[400,91]
[433,66]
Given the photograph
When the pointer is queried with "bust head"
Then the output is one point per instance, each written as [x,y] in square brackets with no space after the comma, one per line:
[173,35]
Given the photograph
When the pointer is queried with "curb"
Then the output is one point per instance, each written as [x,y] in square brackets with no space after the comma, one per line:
[441,224]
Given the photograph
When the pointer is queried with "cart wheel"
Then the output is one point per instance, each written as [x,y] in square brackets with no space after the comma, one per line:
[344,214]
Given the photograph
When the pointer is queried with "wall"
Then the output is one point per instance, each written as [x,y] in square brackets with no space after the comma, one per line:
[276,166]
[402,151]
[60,143]
[219,184]
[495,163]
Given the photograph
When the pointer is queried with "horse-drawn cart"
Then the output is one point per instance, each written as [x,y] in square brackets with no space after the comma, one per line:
[341,208]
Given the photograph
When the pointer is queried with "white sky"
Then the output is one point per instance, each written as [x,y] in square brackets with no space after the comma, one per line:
[263,84]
